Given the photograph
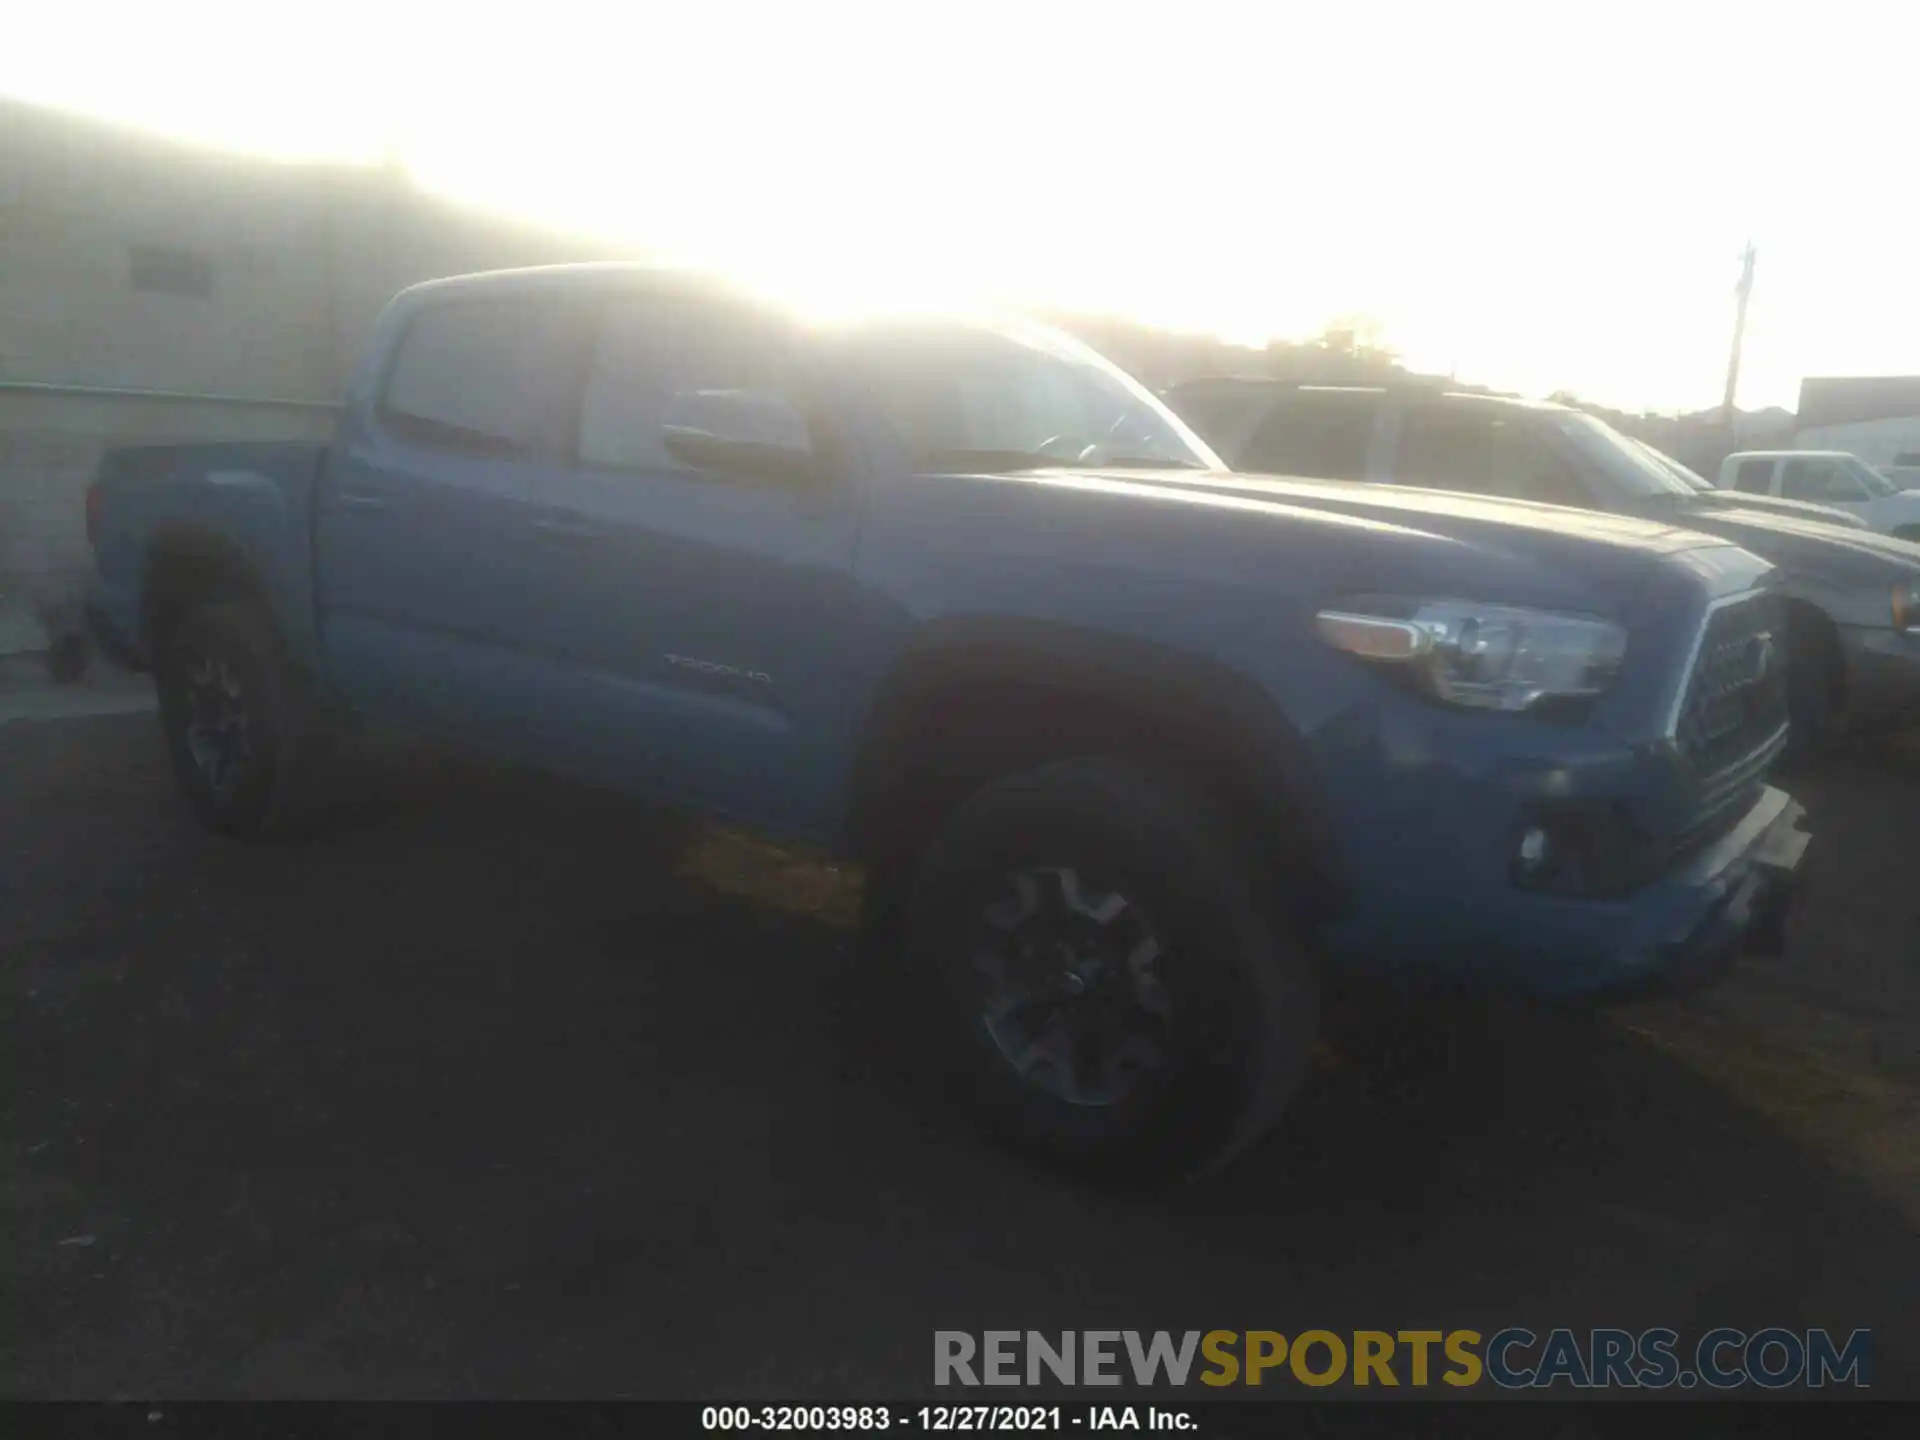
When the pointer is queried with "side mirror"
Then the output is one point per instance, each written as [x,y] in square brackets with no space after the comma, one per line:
[742,432]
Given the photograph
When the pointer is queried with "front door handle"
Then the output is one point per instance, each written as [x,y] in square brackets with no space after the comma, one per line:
[360,502]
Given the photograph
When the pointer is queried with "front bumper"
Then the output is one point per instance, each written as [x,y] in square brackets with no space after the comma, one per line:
[1742,891]
[1882,675]
[1730,898]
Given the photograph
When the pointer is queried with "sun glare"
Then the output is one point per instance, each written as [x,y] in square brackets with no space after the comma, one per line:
[1249,173]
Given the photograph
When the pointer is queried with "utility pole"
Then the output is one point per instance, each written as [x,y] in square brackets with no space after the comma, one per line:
[1742,293]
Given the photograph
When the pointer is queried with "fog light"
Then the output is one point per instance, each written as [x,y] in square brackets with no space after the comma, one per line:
[1533,848]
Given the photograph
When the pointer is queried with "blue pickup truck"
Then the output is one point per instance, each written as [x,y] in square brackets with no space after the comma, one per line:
[1146,752]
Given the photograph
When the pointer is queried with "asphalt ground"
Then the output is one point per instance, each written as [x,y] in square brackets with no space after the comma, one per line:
[500,1087]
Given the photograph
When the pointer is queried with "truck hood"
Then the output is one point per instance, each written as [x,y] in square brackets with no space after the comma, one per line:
[1335,534]
[1714,501]
[1806,546]
[1441,512]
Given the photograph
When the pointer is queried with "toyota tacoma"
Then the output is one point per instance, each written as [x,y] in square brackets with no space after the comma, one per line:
[1149,752]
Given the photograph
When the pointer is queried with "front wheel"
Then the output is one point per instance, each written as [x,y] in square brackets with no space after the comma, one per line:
[1116,989]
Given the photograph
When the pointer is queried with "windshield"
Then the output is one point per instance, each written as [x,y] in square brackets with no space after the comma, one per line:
[1014,396]
[1625,462]
[1692,478]
[1876,484]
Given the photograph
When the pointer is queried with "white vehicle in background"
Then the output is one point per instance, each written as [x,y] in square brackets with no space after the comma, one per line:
[1905,470]
[1826,477]
[1825,514]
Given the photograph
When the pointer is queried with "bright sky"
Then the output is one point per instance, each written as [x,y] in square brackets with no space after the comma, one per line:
[1534,196]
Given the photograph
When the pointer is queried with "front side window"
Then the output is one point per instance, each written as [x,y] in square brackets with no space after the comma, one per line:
[1688,477]
[471,375]
[1623,465]
[1319,436]
[1754,476]
[961,395]
[1818,480]
[1871,481]
[684,384]
[1478,450]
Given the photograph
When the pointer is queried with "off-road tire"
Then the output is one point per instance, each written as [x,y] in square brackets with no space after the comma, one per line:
[1242,990]
[267,794]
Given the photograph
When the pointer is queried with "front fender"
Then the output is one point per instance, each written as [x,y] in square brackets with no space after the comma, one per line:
[1186,699]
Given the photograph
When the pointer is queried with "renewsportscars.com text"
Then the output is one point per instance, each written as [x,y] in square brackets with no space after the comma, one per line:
[1514,1358]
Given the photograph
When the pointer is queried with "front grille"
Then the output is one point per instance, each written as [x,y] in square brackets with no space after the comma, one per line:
[1730,729]
[1732,725]
[1735,705]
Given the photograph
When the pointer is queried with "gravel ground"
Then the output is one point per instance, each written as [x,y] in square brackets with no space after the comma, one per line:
[498,1087]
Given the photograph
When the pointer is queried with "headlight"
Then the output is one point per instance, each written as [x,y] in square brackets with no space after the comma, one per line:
[1906,606]
[1489,657]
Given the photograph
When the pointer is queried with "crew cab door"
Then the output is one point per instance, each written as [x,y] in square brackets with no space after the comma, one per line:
[421,542]
[695,581]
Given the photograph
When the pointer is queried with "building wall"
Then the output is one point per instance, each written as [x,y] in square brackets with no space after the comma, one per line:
[1874,441]
[1827,400]
[242,287]
[97,223]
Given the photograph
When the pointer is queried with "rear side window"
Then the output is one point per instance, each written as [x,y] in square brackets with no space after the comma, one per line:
[1320,437]
[473,375]
[1476,450]
[1754,476]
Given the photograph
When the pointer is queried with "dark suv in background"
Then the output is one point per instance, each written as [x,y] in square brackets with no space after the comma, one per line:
[1853,598]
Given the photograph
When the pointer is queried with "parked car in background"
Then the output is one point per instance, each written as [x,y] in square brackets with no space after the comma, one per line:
[1905,470]
[1145,752]
[1825,514]
[1853,598]
[1826,477]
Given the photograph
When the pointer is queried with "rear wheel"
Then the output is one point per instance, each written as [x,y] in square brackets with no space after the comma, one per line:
[238,726]
[1116,991]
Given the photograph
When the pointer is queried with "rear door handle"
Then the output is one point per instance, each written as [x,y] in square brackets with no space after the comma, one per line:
[360,502]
